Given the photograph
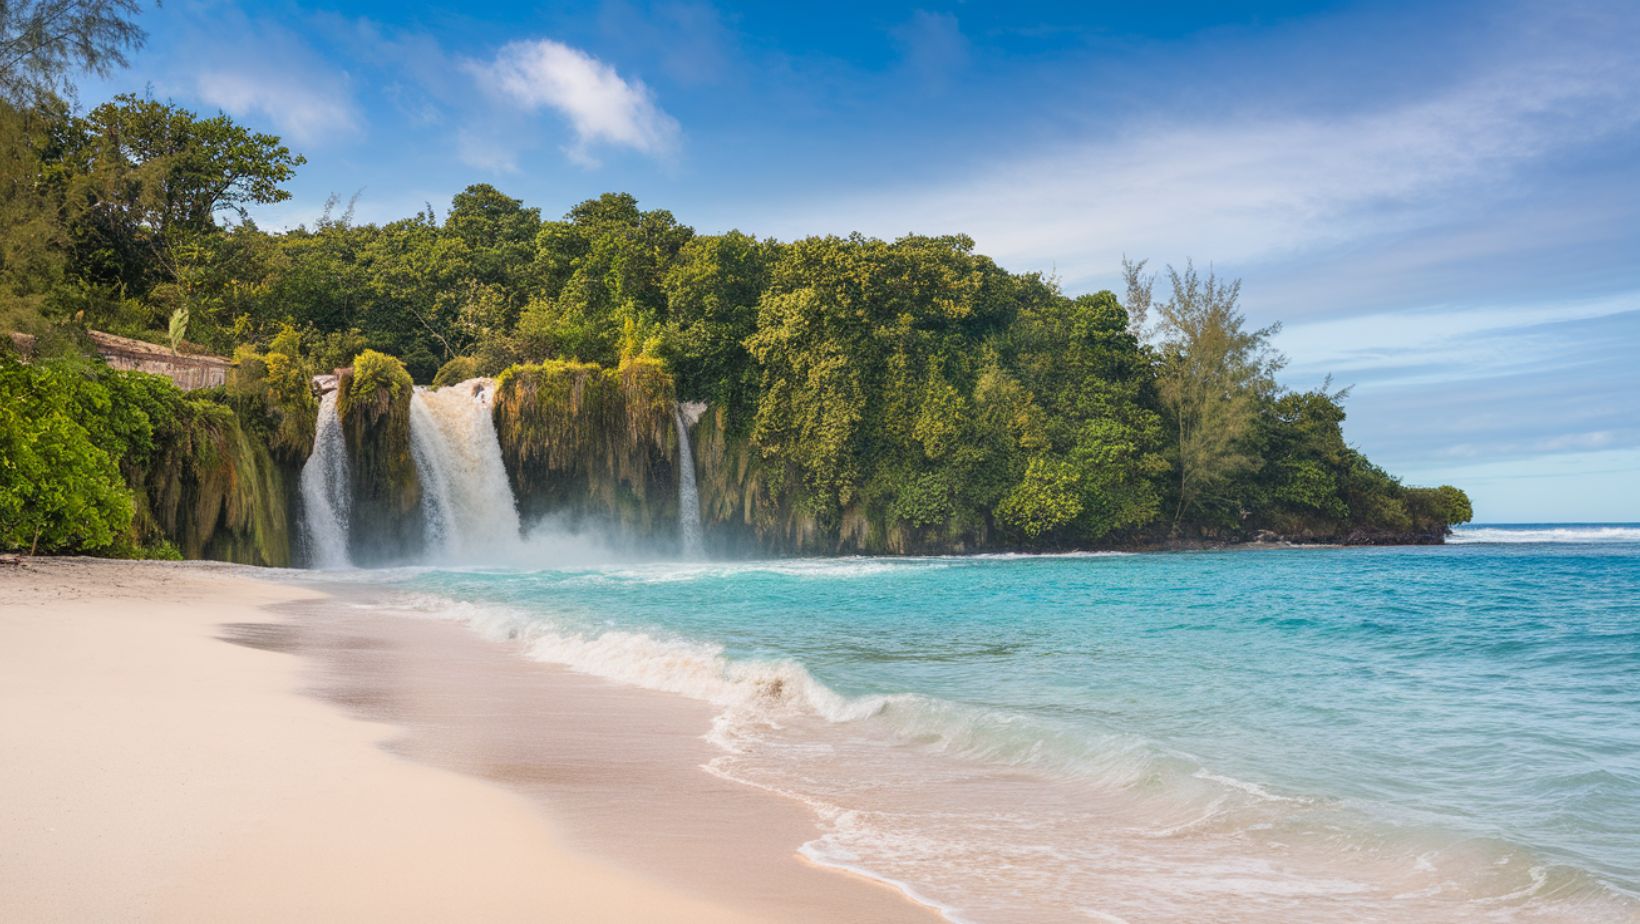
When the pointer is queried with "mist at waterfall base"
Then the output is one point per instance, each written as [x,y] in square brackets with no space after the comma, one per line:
[467,507]
[1376,734]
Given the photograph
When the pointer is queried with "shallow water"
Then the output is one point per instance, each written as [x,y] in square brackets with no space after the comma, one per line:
[1438,733]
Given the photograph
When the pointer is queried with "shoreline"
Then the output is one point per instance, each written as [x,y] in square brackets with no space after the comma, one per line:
[938,818]
[328,763]
[719,776]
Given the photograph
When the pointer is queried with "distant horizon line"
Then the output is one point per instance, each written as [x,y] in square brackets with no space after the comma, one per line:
[1550,523]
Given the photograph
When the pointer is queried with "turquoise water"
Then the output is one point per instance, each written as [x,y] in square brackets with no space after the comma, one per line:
[1442,733]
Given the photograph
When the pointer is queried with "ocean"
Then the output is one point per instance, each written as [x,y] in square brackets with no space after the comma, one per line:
[1370,734]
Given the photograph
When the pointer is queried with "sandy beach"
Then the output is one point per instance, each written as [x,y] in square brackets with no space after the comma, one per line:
[190,742]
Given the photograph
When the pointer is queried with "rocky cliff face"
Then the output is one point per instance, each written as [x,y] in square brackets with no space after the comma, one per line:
[752,504]
[594,447]
[590,445]
[373,402]
[748,503]
[215,491]
[597,447]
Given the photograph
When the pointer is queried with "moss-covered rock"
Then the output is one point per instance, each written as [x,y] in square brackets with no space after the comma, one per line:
[271,393]
[591,444]
[207,484]
[456,371]
[751,503]
[747,502]
[373,403]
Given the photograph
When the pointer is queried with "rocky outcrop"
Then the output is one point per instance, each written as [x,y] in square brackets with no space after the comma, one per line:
[374,407]
[590,445]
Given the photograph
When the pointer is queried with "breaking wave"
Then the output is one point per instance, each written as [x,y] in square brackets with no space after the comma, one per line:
[1570,533]
[987,808]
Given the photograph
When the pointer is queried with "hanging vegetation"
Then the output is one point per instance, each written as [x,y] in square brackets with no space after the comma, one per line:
[588,443]
[209,487]
[373,402]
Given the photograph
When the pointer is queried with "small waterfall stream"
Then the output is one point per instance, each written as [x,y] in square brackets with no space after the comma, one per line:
[689,529]
[325,490]
[467,502]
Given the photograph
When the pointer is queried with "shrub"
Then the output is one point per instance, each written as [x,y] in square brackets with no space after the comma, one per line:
[456,371]
[59,490]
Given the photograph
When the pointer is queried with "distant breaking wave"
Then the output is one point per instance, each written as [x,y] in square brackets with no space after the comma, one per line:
[1548,533]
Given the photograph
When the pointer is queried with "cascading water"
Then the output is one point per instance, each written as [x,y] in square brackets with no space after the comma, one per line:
[467,502]
[325,490]
[689,530]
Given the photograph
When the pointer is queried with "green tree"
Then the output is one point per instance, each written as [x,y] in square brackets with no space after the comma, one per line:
[499,233]
[60,488]
[1214,371]
[602,269]
[318,282]
[33,237]
[1081,360]
[1048,498]
[867,352]
[1298,490]
[712,291]
[44,42]
[138,186]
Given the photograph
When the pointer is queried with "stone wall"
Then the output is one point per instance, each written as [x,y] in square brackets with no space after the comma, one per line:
[188,370]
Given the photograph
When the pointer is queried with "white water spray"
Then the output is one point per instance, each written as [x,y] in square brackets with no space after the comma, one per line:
[689,530]
[325,490]
[467,502]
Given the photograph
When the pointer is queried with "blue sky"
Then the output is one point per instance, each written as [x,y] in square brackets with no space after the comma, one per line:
[1441,201]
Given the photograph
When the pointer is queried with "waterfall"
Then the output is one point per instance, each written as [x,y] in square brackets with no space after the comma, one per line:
[325,490]
[466,499]
[689,531]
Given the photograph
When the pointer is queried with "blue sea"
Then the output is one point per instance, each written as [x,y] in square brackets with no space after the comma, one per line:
[1441,733]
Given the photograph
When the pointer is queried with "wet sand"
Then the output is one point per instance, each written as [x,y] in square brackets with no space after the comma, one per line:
[189,741]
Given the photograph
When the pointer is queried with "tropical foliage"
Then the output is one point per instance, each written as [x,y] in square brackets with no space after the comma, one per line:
[862,394]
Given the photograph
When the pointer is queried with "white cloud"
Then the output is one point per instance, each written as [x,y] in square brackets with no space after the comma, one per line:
[266,73]
[304,112]
[602,107]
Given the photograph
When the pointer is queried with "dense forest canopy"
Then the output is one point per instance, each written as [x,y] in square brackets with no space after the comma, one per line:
[913,383]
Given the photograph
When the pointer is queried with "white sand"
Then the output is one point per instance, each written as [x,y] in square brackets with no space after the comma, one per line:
[148,770]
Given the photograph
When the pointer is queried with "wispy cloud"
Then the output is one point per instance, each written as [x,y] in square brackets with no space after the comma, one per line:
[264,72]
[1423,346]
[302,109]
[1255,185]
[932,47]
[485,151]
[690,42]
[1537,381]
[601,106]
[415,74]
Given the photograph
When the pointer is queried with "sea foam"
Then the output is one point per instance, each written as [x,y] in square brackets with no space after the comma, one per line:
[1016,739]
[1546,533]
